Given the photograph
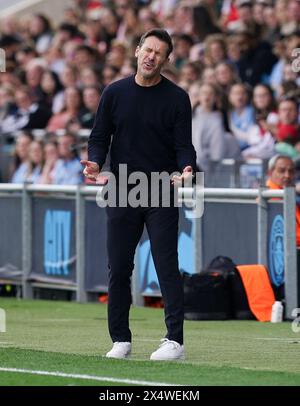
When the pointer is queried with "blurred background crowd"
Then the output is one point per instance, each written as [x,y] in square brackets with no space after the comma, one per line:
[238,60]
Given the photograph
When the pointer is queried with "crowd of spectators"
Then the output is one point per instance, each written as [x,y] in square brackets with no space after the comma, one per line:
[237,59]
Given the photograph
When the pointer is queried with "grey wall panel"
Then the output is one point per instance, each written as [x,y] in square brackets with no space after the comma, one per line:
[10,235]
[230,229]
[96,261]
[53,239]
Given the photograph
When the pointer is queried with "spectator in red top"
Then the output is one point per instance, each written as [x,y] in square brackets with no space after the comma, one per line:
[73,104]
[288,127]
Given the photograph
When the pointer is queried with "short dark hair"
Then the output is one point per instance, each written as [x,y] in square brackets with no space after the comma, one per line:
[286,98]
[162,35]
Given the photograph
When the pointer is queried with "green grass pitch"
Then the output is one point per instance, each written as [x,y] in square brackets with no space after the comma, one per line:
[71,338]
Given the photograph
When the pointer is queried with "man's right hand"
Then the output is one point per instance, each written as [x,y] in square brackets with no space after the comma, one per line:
[91,170]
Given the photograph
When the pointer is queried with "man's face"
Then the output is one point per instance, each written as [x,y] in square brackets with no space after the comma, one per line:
[91,98]
[287,112]
[150,57]
[283,173]
[23,100]
[64,146]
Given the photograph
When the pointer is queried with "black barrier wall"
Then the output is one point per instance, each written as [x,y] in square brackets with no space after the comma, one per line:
[96,261]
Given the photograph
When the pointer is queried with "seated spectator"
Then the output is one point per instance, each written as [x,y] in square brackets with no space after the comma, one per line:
[53,95]
[256,61]
[272,28]
[190,72]
[261,143]
[24,55]
[281,170]
[194,95]
[35,162]
[92,29]
[208,133]
[51,157]
[203,22]
[117,55]
[226,75]
[288,90]
[287,129]
[20,157]
[234,50]
[67,170]
[284,50]
[85,55]
[55,59]
[129,69]
[182,46]
[130,26]
[40,31]
[289,73]
[91,98]
[7,102]
[89,77]
[245,17]
[29,114]
[209,76]
[109,74]
[31,169]
[215,50]
[73,105]
[264,103]
[68,76]
[292,13]
[33,75]
[241,114]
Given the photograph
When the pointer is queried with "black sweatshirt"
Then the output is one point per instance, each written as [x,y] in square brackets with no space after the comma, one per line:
[151,127]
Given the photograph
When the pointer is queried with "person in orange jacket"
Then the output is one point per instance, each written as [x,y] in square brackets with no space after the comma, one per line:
[281,170]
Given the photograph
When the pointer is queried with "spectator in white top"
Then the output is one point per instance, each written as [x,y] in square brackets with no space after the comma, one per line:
[40,31]
[67,170]
[207,127]
[20,157]
[241,114]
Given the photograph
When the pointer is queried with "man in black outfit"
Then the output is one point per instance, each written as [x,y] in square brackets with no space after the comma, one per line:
[149,118]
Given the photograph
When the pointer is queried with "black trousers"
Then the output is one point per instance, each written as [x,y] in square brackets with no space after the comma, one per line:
[125,227]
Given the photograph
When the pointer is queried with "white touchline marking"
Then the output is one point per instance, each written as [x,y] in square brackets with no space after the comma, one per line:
[87,377]
[57,320]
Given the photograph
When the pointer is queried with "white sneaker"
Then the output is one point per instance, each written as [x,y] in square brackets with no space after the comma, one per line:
[167,351]
[120,350]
